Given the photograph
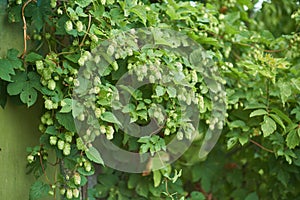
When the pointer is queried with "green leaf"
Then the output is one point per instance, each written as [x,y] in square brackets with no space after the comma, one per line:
[243,139]
[32,57]
[38,190]
[93,155]
[133,181]
[252,196]
[231,142]
[67,107]
[83,172]
[292,139]
[110,117]
[160,91]
[51,130]
[83,3]
[9,64]
[18,83]
[142,189]
[296,83]
[29,95]
[156,178]
[232,17]
[268,126]
[258,112]
[209,40]
[283,177]
[282,115]
[255,106]
[278,120]
[141,106]
[296,111]
[66,120]
[171,91]
[285,91]
[236,124]
[25,85]
[195,195]
[128,108]
[140,12]
[80,12]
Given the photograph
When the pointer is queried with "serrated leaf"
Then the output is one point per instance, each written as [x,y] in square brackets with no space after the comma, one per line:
[268,126]
[25,85]
[38,190]
[38,12]
[292,139]
[9,64]
[110,117]
[258,112]
[296,83]
[93,155]
[140,12]
[66,120]
[18,83]
[282,115]
[285,91]
[6,70]
[278,120]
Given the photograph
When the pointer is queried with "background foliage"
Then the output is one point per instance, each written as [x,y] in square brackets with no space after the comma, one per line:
[256,51]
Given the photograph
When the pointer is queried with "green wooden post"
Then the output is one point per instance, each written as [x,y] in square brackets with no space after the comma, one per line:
[18,126]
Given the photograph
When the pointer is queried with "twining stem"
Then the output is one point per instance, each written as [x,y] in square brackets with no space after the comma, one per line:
[43,168]
[260,146]
[87,32]
[25,28]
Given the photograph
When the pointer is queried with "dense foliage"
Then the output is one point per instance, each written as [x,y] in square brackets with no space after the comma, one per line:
[256,54]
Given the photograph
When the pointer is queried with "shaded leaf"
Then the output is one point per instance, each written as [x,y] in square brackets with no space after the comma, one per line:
[252,196]
[38,190]
[32,57]
[66,120]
